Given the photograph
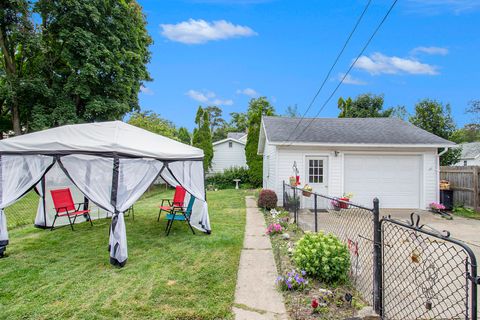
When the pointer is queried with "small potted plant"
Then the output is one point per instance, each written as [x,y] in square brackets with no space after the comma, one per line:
[341,203]
[293,181]
[436,207]
[307,190]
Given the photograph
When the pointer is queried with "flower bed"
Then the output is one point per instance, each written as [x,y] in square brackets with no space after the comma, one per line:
[306,297]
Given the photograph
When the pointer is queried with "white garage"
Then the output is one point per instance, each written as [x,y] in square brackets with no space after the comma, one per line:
[396,180]
[384,158]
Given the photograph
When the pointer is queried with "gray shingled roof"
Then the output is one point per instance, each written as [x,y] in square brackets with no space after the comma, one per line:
[349,131]
[470,150]
[235,135]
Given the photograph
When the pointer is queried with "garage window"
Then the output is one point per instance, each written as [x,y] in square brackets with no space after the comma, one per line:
[315,171]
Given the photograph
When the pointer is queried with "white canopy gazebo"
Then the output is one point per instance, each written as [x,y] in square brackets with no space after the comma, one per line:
[110,163]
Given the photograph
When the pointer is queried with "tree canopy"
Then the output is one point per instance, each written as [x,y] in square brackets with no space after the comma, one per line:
[363,106]
[79,61]
[256,109]
[436,118]
[152,121]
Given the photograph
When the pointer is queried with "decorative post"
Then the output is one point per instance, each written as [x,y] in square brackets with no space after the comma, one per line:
[315,210]
[377,260]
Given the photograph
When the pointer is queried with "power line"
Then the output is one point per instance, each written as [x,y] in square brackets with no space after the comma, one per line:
[333,66]
[351,66]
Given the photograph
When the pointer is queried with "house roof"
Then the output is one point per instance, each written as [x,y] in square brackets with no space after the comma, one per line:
[227,140]
[470,150]
[236,135]
[346,131]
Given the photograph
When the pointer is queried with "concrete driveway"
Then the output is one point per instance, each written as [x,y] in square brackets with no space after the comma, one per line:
[463,229]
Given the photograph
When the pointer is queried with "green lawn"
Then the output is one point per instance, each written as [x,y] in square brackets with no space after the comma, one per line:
[64,274]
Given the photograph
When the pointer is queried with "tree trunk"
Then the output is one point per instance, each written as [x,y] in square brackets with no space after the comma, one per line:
[16,117]
[10,70]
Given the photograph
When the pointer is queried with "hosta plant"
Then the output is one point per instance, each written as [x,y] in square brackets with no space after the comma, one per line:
[323,256]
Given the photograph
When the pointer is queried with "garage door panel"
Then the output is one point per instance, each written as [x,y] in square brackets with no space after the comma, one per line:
[395,180]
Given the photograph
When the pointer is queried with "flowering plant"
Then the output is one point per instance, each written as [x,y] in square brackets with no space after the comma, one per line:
[348,195]
[437,206]
[294,280]
[274,228]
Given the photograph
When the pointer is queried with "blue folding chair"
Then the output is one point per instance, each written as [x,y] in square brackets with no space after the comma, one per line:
[183,214]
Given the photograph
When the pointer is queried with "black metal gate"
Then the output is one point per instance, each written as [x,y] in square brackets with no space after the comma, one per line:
[425,273]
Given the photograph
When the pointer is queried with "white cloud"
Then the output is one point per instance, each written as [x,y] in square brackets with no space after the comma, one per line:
[379,63]
[220,102]
[201,31]
[351,80]
[198,96]
[248,92]
[442,6]
[146,90]
[208,97]
[430,50]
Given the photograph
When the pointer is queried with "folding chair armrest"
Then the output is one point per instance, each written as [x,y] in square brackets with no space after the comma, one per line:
[60,208]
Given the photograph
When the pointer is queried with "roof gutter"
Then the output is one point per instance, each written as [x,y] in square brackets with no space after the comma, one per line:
[368,145]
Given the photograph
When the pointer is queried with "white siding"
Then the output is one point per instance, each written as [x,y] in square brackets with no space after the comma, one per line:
[431,178]
[225,157]
[269,167]
[470,162]
[286,155]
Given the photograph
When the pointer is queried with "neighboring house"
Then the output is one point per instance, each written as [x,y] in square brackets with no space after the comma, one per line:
[372,157]
[229,152]
[470,154]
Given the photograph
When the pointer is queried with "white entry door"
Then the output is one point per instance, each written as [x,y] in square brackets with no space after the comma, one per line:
[316,176]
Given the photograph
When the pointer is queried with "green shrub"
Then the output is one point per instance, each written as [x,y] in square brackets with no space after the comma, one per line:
[323,257]
[224,180]
[267,199]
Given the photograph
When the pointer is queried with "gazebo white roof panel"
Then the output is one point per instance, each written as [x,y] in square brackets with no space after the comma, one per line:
[101,137]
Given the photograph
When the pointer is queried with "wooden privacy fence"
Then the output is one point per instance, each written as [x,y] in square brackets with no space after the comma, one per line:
[464,181]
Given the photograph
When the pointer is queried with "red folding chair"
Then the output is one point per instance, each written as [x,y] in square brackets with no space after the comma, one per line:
[176,204]
[65,207]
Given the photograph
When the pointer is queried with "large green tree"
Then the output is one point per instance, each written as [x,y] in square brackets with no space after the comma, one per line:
[152,121]
[84,61]
[202,137]
[363,106]
[434,117]
[21,85]
[257,108]
[184,135]
[238,122]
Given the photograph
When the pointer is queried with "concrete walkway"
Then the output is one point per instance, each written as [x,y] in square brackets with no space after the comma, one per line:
[256,296]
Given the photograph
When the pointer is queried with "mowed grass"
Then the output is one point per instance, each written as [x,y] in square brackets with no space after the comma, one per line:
[64,274]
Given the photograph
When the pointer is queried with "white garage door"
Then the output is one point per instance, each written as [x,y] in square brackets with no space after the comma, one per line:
[395,180]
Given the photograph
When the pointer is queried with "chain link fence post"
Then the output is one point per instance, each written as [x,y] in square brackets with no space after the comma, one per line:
[377,259]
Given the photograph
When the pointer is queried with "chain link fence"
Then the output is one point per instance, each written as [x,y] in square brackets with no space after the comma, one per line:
[351,223]
[404,270]
[23,211]
[426,275]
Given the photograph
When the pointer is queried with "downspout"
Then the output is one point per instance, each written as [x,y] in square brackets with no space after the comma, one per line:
[443,152]
[438,173]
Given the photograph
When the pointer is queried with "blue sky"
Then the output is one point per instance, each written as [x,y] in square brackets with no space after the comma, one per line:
[224,52]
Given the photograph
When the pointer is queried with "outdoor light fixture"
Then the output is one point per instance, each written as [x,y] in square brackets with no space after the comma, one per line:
[336,153]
